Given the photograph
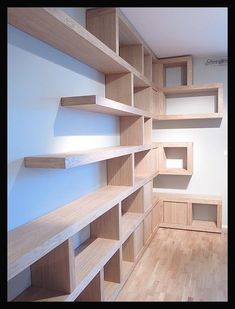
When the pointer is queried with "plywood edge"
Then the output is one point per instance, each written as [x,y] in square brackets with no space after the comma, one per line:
[190,228]
[192,198]
[188,116]
[192,88]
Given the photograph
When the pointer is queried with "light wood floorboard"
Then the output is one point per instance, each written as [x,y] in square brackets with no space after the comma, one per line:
[180,265]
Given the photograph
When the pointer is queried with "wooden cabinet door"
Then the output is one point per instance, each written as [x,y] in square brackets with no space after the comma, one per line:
[157,215]
[175,212]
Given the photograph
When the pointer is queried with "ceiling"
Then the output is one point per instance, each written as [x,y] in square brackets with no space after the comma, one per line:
[181,31]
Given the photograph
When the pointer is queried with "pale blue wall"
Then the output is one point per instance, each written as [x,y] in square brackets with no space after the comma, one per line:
[38,75]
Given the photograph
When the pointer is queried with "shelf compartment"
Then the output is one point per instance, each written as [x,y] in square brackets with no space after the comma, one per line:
[161,65]
[175,158]
[148,66]
[214,91]
[120,171]
[94,103]
[148,126]
[93,291]
[128,257]
[134,55]
[206,215]
[119,87]
[131,212]
[79,158]
[144,163]
[145,98]
[132,131]
[112,276]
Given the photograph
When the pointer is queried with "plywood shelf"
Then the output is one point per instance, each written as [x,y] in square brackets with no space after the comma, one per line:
[74,159]
[188,116]
[110,289]
[98,104]
[129,222]
[55,27]
[192,89]
[91,257]
[175,171]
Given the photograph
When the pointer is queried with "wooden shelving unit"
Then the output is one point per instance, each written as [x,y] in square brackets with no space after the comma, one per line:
[123,215]
[180,154]
[215,90]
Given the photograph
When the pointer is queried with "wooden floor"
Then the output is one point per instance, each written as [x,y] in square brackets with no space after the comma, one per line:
[180,265]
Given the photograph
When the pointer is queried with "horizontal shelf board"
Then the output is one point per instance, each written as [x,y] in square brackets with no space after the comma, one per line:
[54,228]
[192,198]
[79,158]
[90,257]
[175,171]
[33,294]
[98,104]
[110,289]
[53,26]
[129,221]
[188,116]
[191,228]
[204,223]
[192,89]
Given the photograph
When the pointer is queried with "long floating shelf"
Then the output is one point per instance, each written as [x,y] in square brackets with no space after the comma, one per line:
[56,28]
[74,159]
[93,103]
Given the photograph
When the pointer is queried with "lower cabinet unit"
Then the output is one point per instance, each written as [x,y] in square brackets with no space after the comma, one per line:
[147,226]
[175,212]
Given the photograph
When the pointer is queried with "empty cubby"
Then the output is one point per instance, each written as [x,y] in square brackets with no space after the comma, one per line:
[148,124]
[132,130]
[112,275]
[119,87]
[120,171]
[175,158]
[104,233]
[143,163]
[204,215]
[93,291]
[143,98]
[128,256]
[132,209]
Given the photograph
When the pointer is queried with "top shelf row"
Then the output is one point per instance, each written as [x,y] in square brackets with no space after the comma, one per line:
[109,44]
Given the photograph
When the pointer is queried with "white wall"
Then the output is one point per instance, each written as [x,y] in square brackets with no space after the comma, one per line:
[209,138]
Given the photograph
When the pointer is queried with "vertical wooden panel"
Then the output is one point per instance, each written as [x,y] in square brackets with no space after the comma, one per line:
[148,195]
[190,157]
[134,55]
[119,87]
[190,213]
[147,226]
[156,215]
[120,171]
[142,98]
[94,290]
[107,225]
[189,71]
[220,99]
[131,131]
[138,239]
[56,270]
[148,126]
[219,216]
[112,269]
[103,23]
[148,67]
[128,249]
[134,202]
[158,74]
[143,163]
[160,104]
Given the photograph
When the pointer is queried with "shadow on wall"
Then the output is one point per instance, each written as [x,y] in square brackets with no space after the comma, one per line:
[171,182]
[71,121]
[30,44]
[182,124]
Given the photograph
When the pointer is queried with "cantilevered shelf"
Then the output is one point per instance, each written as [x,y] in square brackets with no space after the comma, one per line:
[215,89]
[56,28]
[69,160]
[93,103]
